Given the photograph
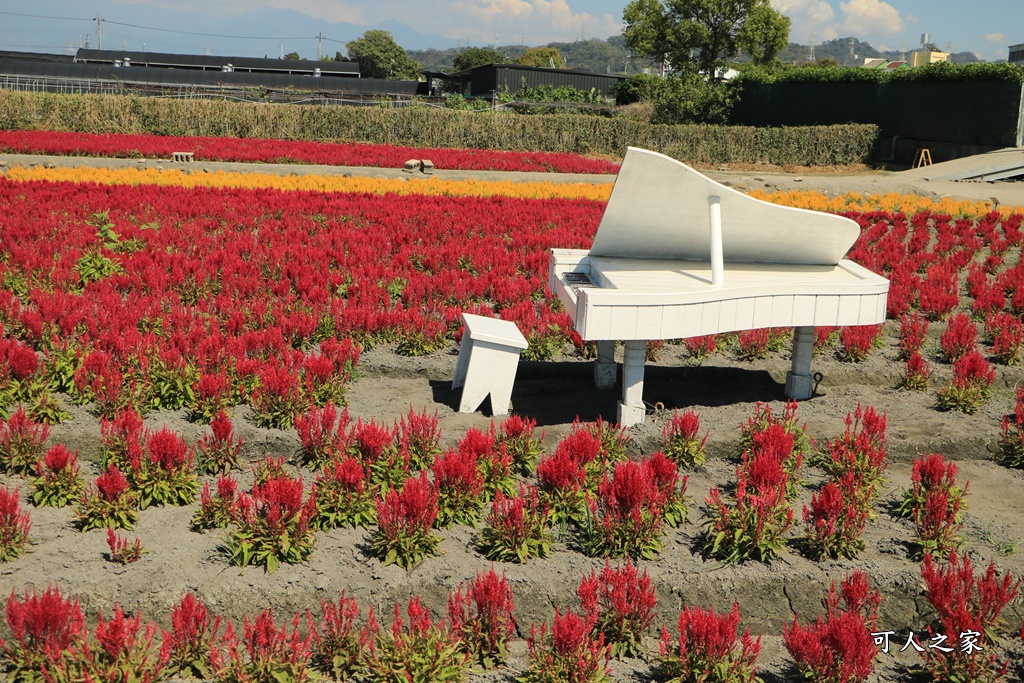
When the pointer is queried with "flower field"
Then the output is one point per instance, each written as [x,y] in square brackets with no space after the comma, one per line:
[237,308]
[290,151]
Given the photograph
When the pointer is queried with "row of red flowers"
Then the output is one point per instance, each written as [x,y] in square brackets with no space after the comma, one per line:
[260,150]
[49,638]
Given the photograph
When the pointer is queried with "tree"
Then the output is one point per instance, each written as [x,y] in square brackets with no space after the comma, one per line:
[379,56]
[293,56]
[476,56]
[763,35]
[542,57]
[703,35]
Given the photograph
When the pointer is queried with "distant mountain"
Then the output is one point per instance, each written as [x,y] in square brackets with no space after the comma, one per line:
[595,55]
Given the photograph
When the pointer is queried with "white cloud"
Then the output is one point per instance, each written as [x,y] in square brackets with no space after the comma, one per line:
[809,19]
[996,38]
[542,20]
[871,17]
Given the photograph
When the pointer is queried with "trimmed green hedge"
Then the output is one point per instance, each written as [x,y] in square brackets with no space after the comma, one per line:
[937,72]
[430,127]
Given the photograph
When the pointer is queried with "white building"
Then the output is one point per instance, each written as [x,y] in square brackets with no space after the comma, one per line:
[1017,54]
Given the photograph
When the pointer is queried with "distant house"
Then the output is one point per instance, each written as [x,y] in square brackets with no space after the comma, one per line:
[1016,54]
[485,81]
[882,64]
[923,57]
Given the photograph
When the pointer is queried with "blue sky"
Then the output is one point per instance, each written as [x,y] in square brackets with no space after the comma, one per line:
[985,27]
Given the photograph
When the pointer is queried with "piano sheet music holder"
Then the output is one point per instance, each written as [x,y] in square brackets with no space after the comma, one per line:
[679,255]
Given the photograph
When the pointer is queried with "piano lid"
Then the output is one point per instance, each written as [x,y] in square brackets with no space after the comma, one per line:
[659,209]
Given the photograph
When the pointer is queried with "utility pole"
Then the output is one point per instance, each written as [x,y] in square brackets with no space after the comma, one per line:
[99,31]
[810,57]
[320,47]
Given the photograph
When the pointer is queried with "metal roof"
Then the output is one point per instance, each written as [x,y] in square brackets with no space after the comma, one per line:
[151,76]
[216,62]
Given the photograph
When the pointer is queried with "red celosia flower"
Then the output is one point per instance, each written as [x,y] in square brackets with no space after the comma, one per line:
[111,484]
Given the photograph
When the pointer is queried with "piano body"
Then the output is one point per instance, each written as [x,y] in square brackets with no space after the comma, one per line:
[679,255]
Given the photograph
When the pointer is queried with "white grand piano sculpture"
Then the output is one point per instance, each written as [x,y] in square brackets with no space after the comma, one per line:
[678,255]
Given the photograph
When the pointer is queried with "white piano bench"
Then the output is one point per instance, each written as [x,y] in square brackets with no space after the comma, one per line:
[488,360]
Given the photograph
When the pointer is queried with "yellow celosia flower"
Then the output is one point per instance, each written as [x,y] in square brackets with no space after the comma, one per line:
[316,183]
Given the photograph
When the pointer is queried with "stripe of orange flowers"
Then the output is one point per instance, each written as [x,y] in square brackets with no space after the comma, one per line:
[906,203]
[316,183]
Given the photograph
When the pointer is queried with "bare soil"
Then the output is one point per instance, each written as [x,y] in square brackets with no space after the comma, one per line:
[723,390]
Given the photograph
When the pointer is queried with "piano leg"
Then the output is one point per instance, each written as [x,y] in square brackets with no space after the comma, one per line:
[605,370]
[799,383]
[631,409]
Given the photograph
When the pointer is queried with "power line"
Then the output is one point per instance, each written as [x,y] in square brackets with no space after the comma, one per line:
[208,35]
[39,16]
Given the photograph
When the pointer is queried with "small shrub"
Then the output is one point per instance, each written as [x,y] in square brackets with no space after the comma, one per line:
[707,647]
[839,648]
[562,480]
[277,398]
[763,419]
[860,451]
[857,342]
[42,628]
[122,550]
[700,348]
[267,654]
[106,502]
[216,511]
[520,441]
[968,608]
[569,654]
[419,435]
[960,337]
[1011,440]
[416,651]
[117,646]
[482,619]
[167,475]
[343,498]
[21,443]
[338,645]
[621,604]
[824,336]
[836,519]
[192,634]
[219,451]
[675,506]
[122,439]
[273,525]
[613,439]
[934,503]
[972,378]
[752,345]
[404,522]
[322,433]
[1006,332]
[211,395]
[58,480]
[460,488]
[14,525]
[625,519]
[916,373]
[913,330]
[517,527]
[752,525]
[681,440]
